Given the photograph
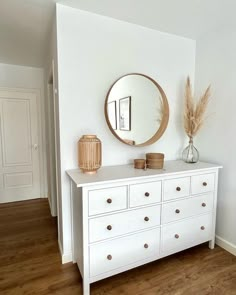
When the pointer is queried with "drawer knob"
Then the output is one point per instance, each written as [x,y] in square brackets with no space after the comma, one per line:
[146,218]
[109,227]
[109,201]
[202,227]
[145,246]
[109,257]
[177,211]
[147,194]
[204,183]
[176,236]
[178,189]
[203,204]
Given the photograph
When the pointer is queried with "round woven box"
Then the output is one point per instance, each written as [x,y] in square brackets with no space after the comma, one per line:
[155,160]
[139,163]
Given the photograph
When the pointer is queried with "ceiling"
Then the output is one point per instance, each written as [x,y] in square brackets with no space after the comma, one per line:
[188,18]
[24,29]
[25,24]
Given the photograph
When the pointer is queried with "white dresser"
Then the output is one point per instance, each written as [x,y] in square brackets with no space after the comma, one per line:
[124,217]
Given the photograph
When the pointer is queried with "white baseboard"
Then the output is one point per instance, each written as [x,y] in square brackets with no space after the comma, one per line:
[44,197]
[65,257]
[226,245]
[51,208]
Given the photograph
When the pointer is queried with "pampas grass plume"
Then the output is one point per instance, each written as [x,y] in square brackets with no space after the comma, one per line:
[194,113]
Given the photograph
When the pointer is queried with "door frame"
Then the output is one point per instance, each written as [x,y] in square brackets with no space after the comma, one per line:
[54,206]
[41,134]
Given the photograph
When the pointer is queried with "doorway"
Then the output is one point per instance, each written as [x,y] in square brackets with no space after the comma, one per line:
[51,145]
[19,145]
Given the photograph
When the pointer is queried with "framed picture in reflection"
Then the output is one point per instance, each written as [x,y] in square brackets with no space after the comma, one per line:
[125,113]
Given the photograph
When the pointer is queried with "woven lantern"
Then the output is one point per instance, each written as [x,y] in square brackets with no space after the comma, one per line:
[89,154]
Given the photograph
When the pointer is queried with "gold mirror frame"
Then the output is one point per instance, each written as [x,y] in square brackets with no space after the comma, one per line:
[164,121]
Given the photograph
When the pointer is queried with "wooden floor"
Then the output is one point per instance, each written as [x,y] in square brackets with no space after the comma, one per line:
[30,263]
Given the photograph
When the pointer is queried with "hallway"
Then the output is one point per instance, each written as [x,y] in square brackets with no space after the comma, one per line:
[30,263]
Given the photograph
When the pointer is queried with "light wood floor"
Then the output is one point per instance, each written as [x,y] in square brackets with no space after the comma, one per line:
[30,263]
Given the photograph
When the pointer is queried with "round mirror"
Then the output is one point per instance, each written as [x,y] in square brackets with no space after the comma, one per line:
[136,110]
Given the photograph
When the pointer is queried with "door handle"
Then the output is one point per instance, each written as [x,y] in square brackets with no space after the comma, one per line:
[35,146]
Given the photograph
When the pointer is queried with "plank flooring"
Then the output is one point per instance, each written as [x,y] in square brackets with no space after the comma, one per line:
[30,263]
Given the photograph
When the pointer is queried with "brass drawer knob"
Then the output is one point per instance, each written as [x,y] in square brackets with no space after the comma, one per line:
[203,204]
[109,227]
[177,211]
[147,194]
[109,257]
[202,227]
[109,201]
[145,246]
[204,183]
[146,218]
[178,189]
[176,236]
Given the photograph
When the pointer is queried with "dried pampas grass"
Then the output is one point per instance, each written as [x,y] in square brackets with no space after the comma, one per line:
[194,112]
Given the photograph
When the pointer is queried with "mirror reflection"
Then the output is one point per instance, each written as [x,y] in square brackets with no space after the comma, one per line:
[136,110]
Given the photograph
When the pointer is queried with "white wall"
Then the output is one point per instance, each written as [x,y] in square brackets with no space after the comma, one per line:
[93,51]
[15,76]
[21,76]
[216,65]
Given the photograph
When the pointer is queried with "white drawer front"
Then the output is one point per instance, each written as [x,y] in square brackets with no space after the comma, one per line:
[113,254]
[176,188]
[203,183]
[107,200]
[145,193]
[186,208]
[194,230]
[122,223]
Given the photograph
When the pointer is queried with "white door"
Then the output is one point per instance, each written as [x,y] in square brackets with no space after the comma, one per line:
[19,152]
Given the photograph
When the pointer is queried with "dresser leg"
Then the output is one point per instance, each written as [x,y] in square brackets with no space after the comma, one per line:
[212,244]
[86,287]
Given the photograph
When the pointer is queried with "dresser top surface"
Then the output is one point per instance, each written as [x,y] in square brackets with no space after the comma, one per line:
[128,172]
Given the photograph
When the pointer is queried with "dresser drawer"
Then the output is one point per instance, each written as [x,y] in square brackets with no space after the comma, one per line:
[122,223]
[186,232]
[176,188]
[116,253]
[145,193]
[186,208]
[203,183]
[107,200]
